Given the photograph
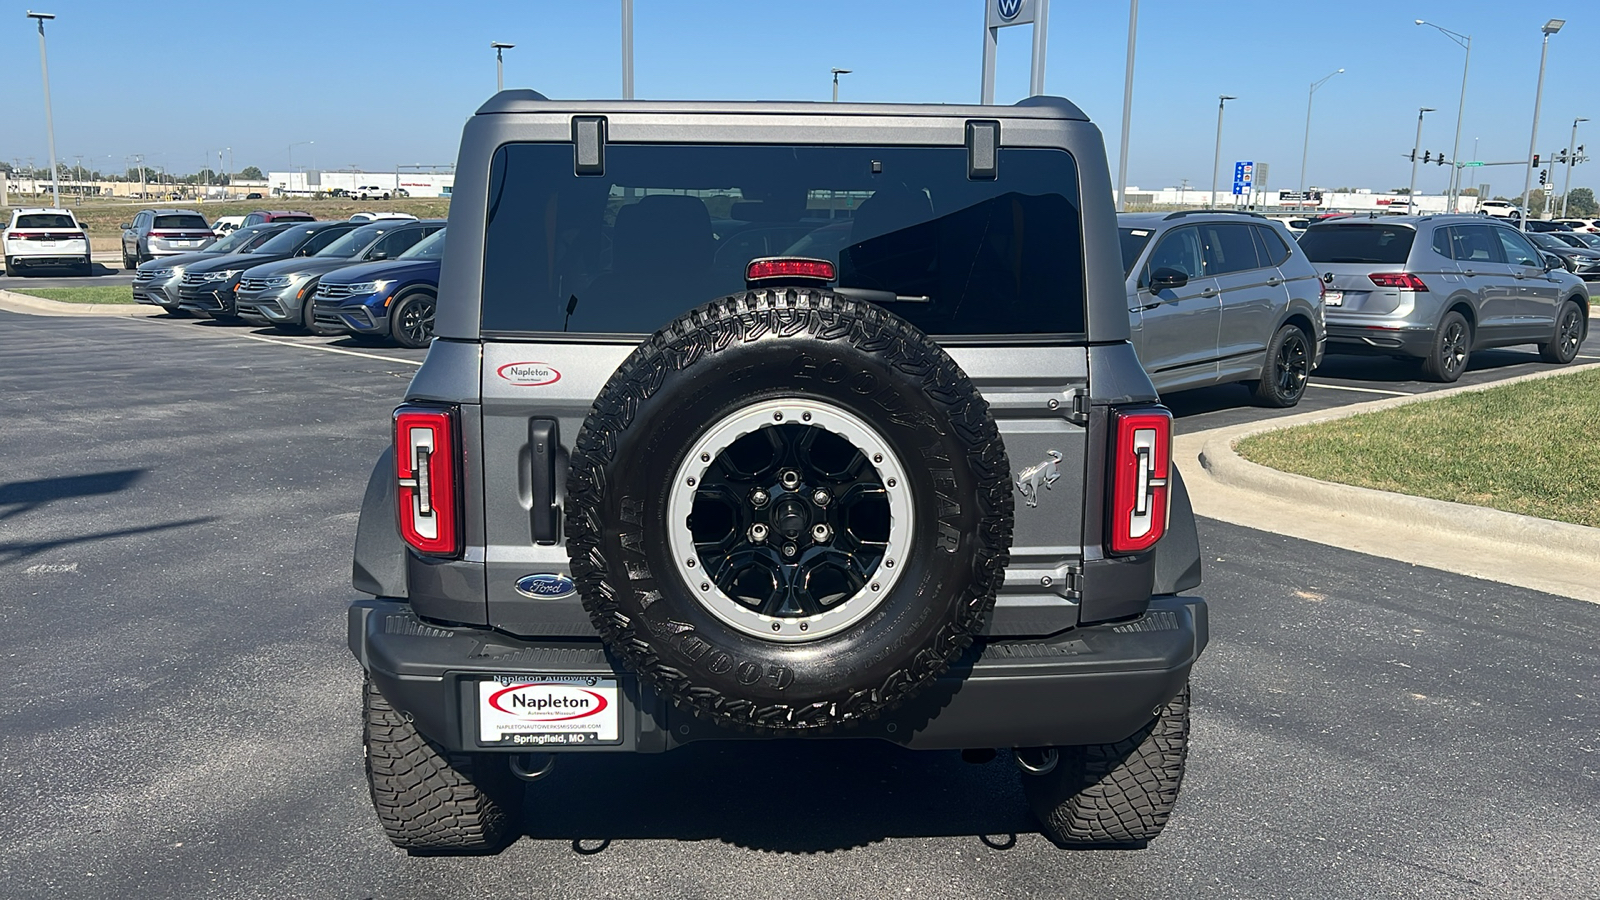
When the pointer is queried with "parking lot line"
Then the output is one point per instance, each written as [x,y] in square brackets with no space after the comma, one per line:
[1360,390]
[267,340]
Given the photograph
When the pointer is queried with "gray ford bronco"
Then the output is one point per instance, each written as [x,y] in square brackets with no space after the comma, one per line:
[777,420]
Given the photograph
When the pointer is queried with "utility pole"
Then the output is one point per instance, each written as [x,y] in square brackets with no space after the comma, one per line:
[1216,158]
[1411,192]
[1572,155]
[1127,108]
[49,125]
[627,49]
[1550,27]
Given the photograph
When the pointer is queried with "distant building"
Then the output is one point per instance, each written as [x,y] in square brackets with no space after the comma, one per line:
[312,181]
[1313,200]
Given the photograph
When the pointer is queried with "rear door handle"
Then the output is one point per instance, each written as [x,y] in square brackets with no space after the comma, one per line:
[1274,281]
[544,436]
[1208,292]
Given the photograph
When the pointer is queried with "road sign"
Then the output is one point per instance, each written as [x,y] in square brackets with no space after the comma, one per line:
[1468,165]
[1243,177]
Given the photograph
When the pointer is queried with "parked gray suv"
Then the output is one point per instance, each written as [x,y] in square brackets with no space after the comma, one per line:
[916,488]
[1216,297]
[1435,288]
[163,232]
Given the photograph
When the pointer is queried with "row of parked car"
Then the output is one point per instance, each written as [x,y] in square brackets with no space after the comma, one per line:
[1429,288]
[372,277]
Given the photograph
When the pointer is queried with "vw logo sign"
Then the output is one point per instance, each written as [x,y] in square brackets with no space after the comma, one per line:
[545,586]
[1008,9]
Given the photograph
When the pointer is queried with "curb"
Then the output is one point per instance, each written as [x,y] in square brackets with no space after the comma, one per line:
[1527,542]
[10,301]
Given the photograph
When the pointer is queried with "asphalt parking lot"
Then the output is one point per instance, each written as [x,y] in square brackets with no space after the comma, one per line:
[176,515]
[104,276]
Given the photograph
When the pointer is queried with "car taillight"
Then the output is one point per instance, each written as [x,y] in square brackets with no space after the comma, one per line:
[1405,281]
[1141,461]
[425,464]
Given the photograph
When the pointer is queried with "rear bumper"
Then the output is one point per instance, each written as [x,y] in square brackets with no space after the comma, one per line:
[1389,338]
[52,259]
[1089,685]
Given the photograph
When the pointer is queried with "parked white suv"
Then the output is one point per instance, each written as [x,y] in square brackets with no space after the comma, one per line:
[1500,209]
[44,237]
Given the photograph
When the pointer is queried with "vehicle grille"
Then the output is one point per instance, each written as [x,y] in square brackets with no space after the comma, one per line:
[252,284]
[193,278]
[327,291]
[148,275]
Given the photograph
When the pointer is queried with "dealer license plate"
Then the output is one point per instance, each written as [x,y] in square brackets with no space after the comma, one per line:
[183,243]
[548,710]
[1333,298]
[47,243]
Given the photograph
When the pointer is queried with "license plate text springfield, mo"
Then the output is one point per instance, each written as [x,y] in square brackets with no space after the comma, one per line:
[554,710]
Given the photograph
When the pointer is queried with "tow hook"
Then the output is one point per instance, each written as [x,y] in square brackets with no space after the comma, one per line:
[532,766]
[1037,760]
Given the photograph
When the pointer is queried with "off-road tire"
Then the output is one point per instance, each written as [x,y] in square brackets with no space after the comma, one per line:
[1449,355]
[1121,793]
[1282,381]
[429,800]
[1570,330]
[771,345]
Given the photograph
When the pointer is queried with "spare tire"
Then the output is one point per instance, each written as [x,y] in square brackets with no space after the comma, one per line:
[789,510]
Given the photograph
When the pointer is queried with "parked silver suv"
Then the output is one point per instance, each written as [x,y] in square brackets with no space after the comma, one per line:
[1438,287]
[1216,297]
[163,232]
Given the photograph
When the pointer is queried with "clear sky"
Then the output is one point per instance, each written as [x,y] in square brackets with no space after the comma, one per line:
[375,84]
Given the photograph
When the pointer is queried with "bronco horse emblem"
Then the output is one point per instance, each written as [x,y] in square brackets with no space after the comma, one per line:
[1045,473]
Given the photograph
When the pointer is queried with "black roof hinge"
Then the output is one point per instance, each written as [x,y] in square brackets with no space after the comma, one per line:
[588,145]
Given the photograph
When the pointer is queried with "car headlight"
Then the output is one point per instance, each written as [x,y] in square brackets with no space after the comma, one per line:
[221,276]
[281,281]
[369,287]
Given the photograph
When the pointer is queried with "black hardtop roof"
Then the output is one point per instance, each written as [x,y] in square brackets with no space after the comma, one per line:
[530,101]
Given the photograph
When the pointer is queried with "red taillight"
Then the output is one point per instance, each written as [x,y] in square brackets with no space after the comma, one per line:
[23,236]
[1405,281]
[425,464]
[1141,461]
[788,267]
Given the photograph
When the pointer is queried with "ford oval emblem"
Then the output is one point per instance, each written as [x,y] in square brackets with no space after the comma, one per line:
[545,586]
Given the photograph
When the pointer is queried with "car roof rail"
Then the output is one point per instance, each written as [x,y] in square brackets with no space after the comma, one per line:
[1207,212]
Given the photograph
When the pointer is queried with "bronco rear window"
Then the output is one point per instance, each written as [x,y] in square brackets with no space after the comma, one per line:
[669,227]
[1357,243]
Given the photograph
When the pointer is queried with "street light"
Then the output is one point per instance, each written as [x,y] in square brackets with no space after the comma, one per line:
[500,63]
[1411,192]
[49,125]
[1465,41]
[627,49]
[836,74]
[1306,147]
[1572,153]
[1216,158]
[291,160]
[1127,108]
[1550,27]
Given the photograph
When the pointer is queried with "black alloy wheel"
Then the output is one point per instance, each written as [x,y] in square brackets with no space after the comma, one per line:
[1288,368]
[411,322]
[1569,335]
[1452,348]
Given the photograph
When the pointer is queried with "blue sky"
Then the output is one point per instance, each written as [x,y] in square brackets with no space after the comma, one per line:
[384,83]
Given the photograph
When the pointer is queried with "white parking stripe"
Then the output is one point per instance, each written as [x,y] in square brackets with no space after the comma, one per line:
[1359,390]
[327,349]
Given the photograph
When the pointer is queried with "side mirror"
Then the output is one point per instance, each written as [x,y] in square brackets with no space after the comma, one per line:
[1167,279]
[1552,262]
[125,226]
[377,255]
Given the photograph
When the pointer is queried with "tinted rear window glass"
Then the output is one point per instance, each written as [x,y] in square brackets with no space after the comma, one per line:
[669,227]
[1229,248]
[185,223]
[1271,248]
[1133,242]
[1357,243]
[45,220]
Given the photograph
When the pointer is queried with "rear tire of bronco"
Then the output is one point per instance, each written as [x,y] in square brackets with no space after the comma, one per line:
[1285,370]
[1121,793]
[1569,334]
[429,800]
[789,511]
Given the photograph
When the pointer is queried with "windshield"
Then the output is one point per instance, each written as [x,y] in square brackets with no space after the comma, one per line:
[1548,242]
[239,237]
[1364,243]
[45,220]
[430,247]
[287,241]
[1133,241]
[669,227]
[348,245]
[1592,241]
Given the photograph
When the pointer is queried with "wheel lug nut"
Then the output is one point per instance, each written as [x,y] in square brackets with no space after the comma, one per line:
[821,533]
[821,497]
[758,533]
[759,498]
[789,550]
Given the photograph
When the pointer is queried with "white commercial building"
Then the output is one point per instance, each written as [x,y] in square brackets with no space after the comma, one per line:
[1314,200]
[313,181]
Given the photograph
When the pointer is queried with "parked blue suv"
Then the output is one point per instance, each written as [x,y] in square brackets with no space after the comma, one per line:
[393,298]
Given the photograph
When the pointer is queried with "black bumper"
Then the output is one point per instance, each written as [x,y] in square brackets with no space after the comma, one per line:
[1410,340]
[212,301]
[1089,685]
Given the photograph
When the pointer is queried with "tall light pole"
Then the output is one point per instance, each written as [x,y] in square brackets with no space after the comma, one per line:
[1465,41]
[1411,192]
[1572,152]
[1550,27]
[1305,148]
[499,47]
[627,49]
[1216,157]
[836,73]
[1127,108]
[49,125]
[291,160]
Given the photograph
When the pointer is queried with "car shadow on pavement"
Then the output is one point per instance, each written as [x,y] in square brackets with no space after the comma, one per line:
[798,796]
[18,497]
[1357,367]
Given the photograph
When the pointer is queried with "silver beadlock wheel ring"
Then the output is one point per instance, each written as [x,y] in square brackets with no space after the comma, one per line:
[779,527]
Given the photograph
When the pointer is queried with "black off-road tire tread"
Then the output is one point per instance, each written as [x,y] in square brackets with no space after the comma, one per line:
[1265,388]
[747,317]
[1551,352]
[429,800]
[1430,364]
[1121,793]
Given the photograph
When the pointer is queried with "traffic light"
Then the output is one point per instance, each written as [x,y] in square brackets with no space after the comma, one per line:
[1413,154]
[1439,158]
[1427,156]
[1536,160]
[1544,177]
